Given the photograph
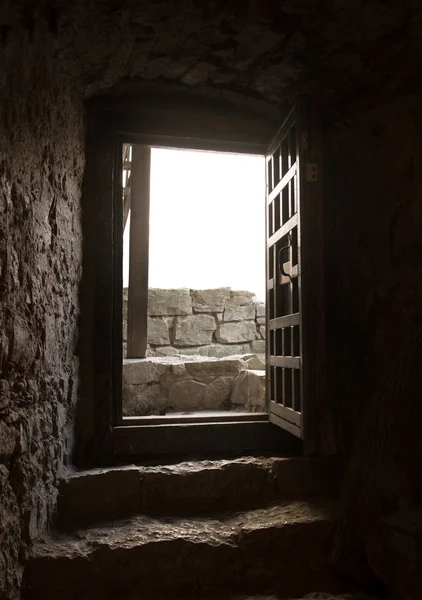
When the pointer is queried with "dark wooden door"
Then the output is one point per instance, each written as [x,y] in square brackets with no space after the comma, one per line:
[295,287]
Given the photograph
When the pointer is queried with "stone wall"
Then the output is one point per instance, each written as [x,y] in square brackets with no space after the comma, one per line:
[41,167]
[215,322]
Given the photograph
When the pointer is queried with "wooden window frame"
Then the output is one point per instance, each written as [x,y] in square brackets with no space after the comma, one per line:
[116,438]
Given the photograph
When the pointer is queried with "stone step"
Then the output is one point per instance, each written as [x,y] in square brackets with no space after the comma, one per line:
[191,488]
[272,550]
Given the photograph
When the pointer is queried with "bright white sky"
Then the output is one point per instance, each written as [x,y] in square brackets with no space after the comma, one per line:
[207,221]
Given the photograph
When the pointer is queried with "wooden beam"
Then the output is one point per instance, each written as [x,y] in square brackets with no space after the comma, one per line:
[138,253]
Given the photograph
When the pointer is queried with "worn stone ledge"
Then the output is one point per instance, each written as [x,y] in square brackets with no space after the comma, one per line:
[191,488]
[256,549]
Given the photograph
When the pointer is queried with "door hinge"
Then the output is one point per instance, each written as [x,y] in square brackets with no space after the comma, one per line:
[311,172]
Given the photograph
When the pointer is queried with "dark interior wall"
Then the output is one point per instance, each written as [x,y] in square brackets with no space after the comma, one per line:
[42,159]
[54,53]
[373,180]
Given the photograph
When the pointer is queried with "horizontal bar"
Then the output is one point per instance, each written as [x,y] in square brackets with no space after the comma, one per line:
[195,418]
[286,413]
[282,183]
[284,230]
[191,143]
[289,362]
[283,424]
[287,321]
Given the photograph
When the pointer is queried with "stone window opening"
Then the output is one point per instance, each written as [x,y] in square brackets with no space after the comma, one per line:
[194,340]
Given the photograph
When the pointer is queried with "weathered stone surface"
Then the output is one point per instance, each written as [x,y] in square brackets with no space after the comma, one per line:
[260,309]
[206,371]
[158,333]
[195,487]
[163,302]
[233,333]
[10,538]
[98,494]
[255,362]
[258,346]
[260,320]
[146,370]
[8,438]
[143,400]
[249,390]
[240,298]
[166,351]
[218,392]
[186,395]
[262,331]
[239,313]
[124,556]
[196,330]
[210,300]
[223,350]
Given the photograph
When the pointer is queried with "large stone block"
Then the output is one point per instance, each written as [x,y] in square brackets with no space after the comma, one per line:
[217,394]
[163,302]
[260,309]
[186,395]
[249,391]
[145,370]
[258,346]
[239,313]
[212,301]
[196,330]
[233,333]
[255,362]
[224,350]
[206,371]
[140,400]
[158,333]
[240,298]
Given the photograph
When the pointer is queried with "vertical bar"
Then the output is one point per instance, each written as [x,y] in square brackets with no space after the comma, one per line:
[137,320]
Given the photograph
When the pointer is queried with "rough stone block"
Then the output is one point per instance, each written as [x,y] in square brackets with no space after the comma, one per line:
[166,351]
[7,442]
[196,330]
[260,309]
[224,350]
[158,333]
[249,390]
[139,400]
[217,394]
[145,370]
[163,302]
[98,494]
[4,393]
[240,298]
[262,331]
[233,333]
[258,346]
[212,301]
[206,371]
[260,320]
[187,395]
[255,362]
[239,313]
